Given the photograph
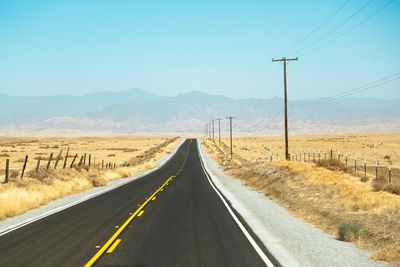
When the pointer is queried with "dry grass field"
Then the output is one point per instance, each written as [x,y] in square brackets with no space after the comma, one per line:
[39,187]
[328,199]
[384,148]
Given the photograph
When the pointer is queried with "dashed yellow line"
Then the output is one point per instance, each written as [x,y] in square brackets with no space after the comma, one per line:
[111,249]
[122,227]
[113,242]
[154,198]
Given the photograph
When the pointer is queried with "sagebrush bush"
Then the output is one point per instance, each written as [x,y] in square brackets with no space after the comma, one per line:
[349,231]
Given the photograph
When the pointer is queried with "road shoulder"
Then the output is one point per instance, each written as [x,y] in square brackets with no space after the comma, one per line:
[290,240]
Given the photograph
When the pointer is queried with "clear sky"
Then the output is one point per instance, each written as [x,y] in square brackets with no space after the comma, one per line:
[220,47]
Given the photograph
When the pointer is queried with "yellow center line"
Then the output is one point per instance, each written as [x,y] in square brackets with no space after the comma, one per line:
[121,228]
[111,249]
[113,238]
[140,213]
[154,198]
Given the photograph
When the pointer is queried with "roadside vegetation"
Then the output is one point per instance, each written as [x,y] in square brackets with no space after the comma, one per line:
[132,155]
[324,195]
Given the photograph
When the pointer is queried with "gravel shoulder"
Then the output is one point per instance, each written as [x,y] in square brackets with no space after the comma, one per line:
[52,207]
[292,241]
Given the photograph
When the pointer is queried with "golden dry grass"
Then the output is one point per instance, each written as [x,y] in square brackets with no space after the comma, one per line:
[372,147]
[322,197]
[36,189]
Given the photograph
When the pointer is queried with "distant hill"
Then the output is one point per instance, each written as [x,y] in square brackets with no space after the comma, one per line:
[138,111]
[68,104]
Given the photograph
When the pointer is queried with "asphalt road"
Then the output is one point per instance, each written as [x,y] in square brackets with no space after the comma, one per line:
[171,217]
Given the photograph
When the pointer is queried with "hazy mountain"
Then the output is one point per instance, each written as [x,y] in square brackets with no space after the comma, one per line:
[139,111]
[67,104]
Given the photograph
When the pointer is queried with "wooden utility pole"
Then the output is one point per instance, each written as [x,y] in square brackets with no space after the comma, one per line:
[230,133]
[285,60]
[219,130]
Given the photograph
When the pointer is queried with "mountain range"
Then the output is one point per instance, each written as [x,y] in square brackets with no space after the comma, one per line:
[138,111]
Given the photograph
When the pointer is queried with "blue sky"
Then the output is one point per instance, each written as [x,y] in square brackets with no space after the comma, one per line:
[220,47]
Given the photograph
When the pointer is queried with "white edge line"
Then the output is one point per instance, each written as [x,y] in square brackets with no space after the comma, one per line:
[244,230]
[66,206]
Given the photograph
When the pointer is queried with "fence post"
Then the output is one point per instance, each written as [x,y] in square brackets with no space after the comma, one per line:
[7,170]
[38,164]
[73,160]
[84,159]
[57,159]
[376,171]
[319,155]
[355,165]
[390,174]
[331,154]
[66,157]
[102,164]
[346,160]
[24,166]
[50,159]
[365,169]
[308,156]
[90,159]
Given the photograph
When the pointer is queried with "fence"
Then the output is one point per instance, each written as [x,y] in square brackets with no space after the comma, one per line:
[351,164]
[85,161]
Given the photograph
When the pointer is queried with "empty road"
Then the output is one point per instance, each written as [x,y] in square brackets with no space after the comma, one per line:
[171,217]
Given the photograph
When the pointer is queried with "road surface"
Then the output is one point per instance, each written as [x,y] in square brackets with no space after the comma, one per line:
[171,217]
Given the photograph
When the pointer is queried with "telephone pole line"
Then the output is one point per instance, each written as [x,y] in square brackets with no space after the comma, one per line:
[230,131]
[219,130]
[285,60]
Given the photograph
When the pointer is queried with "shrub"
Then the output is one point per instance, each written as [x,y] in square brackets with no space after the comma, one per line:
[14,173]
[349,231]
[99,181]
[331,164]
[384,185]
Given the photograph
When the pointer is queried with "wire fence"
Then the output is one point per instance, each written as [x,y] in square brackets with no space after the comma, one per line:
[55,161]
[360,167]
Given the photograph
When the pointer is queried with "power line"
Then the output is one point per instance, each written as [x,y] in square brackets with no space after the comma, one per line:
[323,23]
[335,28]
[348,30]
[357,90]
